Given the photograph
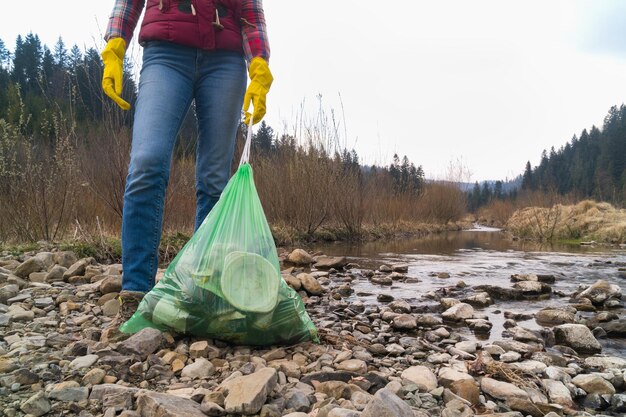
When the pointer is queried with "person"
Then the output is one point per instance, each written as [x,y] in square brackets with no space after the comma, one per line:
[193,50]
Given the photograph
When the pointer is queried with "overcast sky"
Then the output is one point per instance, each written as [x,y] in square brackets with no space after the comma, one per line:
[490,83]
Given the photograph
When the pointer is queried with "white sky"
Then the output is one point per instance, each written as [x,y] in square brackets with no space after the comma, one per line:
[488,82]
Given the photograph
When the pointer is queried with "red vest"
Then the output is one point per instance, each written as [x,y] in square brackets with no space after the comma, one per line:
[193,23]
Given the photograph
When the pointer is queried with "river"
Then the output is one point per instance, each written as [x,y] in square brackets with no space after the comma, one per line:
[486,256]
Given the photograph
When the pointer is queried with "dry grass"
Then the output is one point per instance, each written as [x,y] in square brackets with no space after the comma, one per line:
[587,220]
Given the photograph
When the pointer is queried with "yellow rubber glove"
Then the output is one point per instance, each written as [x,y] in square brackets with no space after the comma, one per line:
[260,82]
[113,58]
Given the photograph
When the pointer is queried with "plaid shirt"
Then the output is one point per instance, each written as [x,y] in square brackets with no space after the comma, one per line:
[125,16]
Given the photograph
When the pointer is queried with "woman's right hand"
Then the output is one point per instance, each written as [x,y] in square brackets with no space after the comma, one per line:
[113,58]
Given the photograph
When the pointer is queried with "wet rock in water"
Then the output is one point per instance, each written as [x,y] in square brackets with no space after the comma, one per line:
[400,267]
[156,404]
[300,257]
[501,390]
[386,404]
[600,292]
[328,262]
[593,384]
[37,405]
[479,325]
[606,362]
[421,376]
[247,394]
[532,288]
[578,337]
[381,280]
[555,316]
[616,328]
[480,299]
[458,312]
[142,343]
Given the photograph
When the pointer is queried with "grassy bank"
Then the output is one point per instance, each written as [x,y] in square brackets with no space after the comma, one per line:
[586,221]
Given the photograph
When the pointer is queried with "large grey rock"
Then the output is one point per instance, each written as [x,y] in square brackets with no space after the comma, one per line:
[65,259]
[99,392]
[7,292]
[77,268]
[578,337]
[458,312]
[142,343]
[155,404]
[606,362]
[531,288]
[421,376]
[247,394]
[593,384]
[111,284]
[37,405]
[501,390]
[387,404]
[55,274]
[29,266]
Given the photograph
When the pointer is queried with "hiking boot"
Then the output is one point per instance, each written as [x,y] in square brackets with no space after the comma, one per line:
[129,301]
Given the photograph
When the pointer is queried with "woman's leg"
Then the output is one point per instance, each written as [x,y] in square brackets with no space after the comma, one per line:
[165,94]
[219,97]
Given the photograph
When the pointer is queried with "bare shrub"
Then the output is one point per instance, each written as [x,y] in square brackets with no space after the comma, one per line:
[496,213]
[441,202]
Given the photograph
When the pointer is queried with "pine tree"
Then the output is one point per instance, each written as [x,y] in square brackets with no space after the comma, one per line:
[60,54]
[264,137]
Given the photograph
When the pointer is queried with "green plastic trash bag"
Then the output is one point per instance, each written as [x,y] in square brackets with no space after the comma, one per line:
[226,283]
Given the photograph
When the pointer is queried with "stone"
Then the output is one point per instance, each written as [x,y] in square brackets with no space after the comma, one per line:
[111,308]
[343,412]
[25,377]
[94,376]
[400,307]
[466,346]
[510,357]
[300,257]
[480,299]
[247,394]
[292,281]
[421,376]
[200,369]
[154,404]
[600,292]
[534,409]
[501,390]
[557,392]
[297,400]
[531,288]
[55,274]
[458,312]
[142,343]
[65,258]
[310,284]
[334,389]
[466,389]
[427,320]
[578,337]
[457,408]
[328,262]
[593,384]
[615,328]
[404,322]
[84,361]
[386,404]
[353,365]
[212,409]
[618,402]
[43,302]
[7,292]
[199,349]
[76,269]
[111,284]
[606,362]
[554,316]
[448,375]
[29,266]
[37,405]
[69,391]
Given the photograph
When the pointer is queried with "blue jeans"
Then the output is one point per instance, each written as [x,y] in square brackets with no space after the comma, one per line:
[171,77]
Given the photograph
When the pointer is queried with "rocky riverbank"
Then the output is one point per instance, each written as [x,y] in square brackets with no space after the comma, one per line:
[389,359]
